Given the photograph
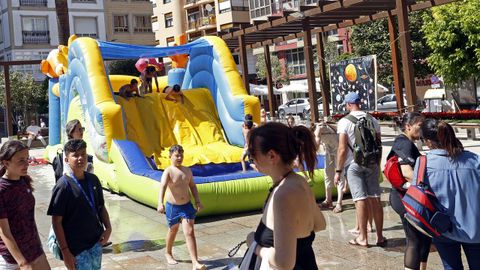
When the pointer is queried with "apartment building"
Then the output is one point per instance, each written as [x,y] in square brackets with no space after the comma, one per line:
[129,21]
[30,29]
[197,18]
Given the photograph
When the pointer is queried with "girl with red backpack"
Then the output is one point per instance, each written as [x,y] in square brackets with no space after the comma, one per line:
[404,153]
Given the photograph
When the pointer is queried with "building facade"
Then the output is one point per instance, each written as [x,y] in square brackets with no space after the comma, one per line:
[30,29]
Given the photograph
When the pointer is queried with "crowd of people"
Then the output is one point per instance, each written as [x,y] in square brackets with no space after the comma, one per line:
[291,216]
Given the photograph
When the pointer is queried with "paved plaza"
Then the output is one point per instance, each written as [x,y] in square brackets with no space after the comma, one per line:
[139,232]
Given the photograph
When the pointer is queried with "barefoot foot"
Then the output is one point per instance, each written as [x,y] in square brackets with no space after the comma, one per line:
[199,266]
[170,259]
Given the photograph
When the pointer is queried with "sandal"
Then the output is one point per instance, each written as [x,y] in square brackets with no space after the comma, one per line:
[338,209]
[326,205]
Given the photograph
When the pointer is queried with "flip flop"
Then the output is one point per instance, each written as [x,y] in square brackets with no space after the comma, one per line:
[354,242]
[383,243]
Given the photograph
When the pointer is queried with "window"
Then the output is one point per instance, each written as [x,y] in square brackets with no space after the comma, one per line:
[168,20]
[85,26]
[296,61]
[120,23]
[142,23]
[35,30]
[33,3]
[166,1]
[170,41]
[193,20]
[259,8]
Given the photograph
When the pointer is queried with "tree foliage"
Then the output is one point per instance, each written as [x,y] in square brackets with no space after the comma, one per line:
[123,67]
[372,38]
[277,72]
[26,94]
[454,38]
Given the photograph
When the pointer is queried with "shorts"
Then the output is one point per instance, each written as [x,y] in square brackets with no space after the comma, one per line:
[90,259]
[176,213]
[363,182]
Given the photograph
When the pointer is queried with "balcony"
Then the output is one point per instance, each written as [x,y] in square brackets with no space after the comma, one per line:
[144,29]
[35,37]
[90,35]
[202,23]
[33,3]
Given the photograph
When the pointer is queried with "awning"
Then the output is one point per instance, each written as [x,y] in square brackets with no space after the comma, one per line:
[262,90]
[114,50]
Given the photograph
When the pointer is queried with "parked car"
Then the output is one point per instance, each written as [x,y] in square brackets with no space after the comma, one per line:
[293,107]
[306,112]
[388,103]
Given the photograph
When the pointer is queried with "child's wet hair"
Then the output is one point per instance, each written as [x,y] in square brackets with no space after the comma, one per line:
[248,121]
[73,146]
[175,148]
[176,88]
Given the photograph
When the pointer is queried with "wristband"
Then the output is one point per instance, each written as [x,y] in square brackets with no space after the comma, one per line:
[338,171]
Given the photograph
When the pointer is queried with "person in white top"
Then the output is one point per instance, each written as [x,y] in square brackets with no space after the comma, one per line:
[33,132]
[363,181]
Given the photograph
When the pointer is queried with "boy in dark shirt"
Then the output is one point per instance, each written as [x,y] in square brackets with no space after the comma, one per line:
[79,217]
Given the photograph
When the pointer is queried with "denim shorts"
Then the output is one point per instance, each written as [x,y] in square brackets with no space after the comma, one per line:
[363,182]
[90,259]
[176,213]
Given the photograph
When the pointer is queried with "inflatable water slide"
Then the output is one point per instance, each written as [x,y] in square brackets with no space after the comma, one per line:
[130,138]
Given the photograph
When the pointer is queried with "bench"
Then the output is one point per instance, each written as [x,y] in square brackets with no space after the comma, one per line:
[470,127]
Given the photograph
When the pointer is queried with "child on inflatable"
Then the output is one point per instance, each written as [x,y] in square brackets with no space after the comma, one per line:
[178,181]
[175,92]
[247,126]
[146,77]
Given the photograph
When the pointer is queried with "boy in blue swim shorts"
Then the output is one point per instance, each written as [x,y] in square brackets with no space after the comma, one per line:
[176,184]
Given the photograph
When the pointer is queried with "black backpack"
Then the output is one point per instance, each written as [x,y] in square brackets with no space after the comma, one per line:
[57,165]
[367,149]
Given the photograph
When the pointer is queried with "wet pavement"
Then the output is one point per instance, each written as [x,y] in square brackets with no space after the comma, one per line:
[139,232]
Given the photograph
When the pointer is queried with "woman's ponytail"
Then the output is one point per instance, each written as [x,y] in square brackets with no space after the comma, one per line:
[307,150]
[448,139]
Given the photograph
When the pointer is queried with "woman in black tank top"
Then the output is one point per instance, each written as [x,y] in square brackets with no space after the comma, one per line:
[290,209]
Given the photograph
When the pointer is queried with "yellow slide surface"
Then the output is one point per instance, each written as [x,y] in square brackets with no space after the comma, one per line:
[155,124]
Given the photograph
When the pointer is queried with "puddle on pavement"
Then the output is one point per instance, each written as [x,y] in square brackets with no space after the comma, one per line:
[139,246]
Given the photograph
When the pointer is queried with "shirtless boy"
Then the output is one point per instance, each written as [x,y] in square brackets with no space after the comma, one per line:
[248,125]
[173,92]
[177,181]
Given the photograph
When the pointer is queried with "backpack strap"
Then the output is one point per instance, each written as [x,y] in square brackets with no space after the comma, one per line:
[421,169]
[354,120]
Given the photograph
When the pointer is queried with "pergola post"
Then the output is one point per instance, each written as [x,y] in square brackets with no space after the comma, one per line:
[307,50]
[325,87]
[395,63]
[8,102]
[243,61]
[271,98]
[407,55]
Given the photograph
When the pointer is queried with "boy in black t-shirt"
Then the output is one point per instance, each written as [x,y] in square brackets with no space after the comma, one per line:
[79,217]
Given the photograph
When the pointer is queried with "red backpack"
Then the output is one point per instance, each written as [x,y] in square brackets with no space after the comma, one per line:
[393,173]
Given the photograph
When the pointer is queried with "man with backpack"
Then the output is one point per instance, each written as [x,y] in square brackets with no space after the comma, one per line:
[358,157]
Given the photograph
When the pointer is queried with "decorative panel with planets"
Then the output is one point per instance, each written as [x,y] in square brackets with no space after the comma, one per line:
[354,75]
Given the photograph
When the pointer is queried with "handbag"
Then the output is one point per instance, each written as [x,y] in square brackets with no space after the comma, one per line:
[53,245]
